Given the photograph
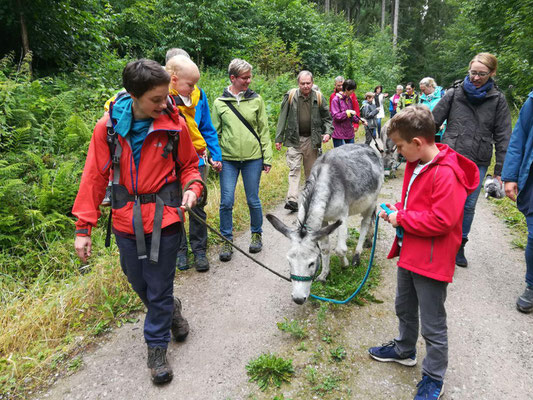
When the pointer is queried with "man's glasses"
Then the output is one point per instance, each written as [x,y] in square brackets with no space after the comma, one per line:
[480,74]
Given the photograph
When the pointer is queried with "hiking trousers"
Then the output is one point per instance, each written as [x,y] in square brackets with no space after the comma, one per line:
[418,294]
[153,283]
[294,156]
[197,230]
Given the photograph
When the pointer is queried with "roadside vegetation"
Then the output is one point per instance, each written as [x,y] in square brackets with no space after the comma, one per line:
[319,354]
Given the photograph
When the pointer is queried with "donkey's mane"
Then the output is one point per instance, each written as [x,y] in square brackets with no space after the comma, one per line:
[307,195]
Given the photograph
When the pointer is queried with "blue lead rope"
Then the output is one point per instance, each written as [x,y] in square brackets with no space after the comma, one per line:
[370,262]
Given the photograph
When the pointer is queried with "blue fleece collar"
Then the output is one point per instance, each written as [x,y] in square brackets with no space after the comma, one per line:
[123,115]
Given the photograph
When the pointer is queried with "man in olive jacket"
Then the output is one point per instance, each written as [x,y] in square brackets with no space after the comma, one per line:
[304,123]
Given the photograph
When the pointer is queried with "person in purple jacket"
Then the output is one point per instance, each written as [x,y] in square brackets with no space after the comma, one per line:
[344,115]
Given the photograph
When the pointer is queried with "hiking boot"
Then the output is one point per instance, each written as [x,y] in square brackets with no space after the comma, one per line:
[179,326]
[256,245]
[386,353]
[226,251]
[429,388]
[181,262]
[291,206]
[525,301]
[106,202]
[157,362]
[460,259]
[201,263]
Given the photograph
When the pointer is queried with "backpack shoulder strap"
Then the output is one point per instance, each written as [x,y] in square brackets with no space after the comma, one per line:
[318,97]
[292,92]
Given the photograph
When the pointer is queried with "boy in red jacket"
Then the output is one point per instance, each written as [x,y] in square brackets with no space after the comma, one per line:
[150,142]
[428,221]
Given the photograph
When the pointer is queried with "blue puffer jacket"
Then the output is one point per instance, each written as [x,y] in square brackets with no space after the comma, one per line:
[520,151]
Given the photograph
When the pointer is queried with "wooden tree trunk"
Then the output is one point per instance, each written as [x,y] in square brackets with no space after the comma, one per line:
[383,14]
[326,5]
[395,23]
[24,32]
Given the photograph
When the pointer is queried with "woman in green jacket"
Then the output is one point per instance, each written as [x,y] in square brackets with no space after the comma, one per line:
[240,119]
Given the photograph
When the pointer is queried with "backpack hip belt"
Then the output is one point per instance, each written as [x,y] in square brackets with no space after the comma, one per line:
[168,195]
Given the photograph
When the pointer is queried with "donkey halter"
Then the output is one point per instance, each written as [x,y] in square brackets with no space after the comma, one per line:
[301,278]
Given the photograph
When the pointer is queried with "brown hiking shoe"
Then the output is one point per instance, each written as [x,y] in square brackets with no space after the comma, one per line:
[180,326]
[157,362]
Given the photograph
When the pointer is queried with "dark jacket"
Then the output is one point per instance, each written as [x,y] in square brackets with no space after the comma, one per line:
[288,132]
[472,129]
[369,112]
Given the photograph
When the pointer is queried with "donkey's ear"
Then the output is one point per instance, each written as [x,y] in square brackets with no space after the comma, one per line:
[327,230]
[278,225]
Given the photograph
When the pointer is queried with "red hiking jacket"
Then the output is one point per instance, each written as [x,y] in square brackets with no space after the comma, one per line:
[432,220]
[154,171]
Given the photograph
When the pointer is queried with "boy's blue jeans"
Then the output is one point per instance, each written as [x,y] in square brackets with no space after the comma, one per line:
[153,283]
[470,203]
[413,293]
[251,176]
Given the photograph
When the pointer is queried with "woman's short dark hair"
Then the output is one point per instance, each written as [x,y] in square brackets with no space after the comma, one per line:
[378,87]
[410,84]
[349,84]
[142,75]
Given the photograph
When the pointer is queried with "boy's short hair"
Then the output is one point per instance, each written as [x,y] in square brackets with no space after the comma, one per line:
[173,52]
[237,67]
[142,75]
[349,84]
[369,94]
[413,121]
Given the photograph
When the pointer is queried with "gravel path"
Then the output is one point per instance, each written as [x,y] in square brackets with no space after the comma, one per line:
[233,310]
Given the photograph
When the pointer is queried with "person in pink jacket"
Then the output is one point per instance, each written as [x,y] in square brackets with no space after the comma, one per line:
[343,113]
[428,220]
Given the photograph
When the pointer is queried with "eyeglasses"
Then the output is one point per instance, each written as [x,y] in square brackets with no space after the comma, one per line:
[480,74]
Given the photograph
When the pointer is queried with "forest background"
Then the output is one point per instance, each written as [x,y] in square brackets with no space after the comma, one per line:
[61,60]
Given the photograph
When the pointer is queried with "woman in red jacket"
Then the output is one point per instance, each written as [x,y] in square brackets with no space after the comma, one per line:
[143,141]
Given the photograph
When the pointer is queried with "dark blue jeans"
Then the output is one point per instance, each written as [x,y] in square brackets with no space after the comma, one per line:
[251,176]
[153,283]
[340,142]
[524,203]
[470,203]
[197,230]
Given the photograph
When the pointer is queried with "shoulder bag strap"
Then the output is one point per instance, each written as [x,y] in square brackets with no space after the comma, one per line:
[245,123]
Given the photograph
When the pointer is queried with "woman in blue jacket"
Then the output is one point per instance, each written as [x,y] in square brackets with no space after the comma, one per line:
[518,178]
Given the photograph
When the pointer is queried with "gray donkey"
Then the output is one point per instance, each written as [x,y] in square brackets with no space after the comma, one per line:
[344,181]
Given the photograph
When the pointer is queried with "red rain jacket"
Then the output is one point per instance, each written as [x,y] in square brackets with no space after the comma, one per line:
[154,171]
[432,220]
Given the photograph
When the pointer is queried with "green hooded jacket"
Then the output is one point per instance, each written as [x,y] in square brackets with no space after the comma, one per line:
[236,141]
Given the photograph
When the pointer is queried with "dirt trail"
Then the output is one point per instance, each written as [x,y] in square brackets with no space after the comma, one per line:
[233,310]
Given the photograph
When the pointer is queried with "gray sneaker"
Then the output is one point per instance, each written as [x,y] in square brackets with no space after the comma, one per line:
[525,301]
[256,245]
